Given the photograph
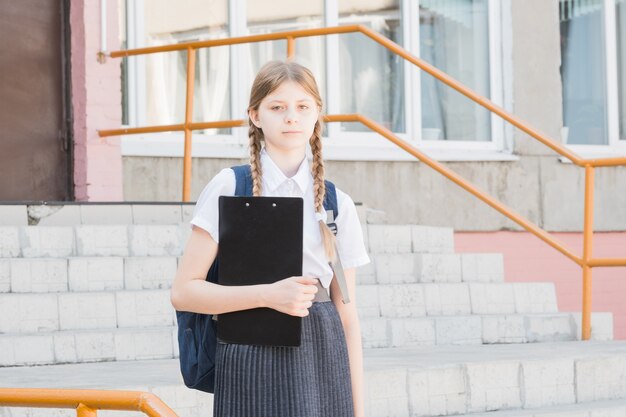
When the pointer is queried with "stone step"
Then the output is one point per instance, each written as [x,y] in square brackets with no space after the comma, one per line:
[84,311]
[53,311]
[480,329]
[92,273]
[127,239]
[83,346]
[92,240]
[607,408]
[415,300]
[76,213]
[397,268]
[102,273]
[424,381]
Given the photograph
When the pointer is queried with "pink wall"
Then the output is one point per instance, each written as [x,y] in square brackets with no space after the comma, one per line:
[96,101]
[527,258]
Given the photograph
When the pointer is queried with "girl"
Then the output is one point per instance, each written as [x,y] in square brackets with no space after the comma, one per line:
[324,376]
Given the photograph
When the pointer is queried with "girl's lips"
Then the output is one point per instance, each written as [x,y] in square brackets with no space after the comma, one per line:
[293,131]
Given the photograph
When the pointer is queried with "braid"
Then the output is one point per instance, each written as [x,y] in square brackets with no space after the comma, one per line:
[319,189]
[256,136]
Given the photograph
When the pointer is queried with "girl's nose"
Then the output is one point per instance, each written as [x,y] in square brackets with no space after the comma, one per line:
[290,116]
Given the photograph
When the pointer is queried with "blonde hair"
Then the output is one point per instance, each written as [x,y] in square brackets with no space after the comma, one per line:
[268,79]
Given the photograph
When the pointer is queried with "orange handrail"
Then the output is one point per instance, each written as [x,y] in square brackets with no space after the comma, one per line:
[586,261]
[86,402]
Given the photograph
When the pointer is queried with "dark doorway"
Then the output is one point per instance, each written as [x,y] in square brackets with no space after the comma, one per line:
[35,111]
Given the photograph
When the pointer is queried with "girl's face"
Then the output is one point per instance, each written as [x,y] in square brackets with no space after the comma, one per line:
[287,117]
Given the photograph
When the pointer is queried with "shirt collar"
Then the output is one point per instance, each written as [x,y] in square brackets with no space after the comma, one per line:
[274,177]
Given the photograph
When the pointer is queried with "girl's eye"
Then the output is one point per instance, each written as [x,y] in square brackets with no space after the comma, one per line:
[275,107]
[304,106]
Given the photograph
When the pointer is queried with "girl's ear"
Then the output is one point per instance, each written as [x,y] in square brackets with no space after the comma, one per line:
[253,114]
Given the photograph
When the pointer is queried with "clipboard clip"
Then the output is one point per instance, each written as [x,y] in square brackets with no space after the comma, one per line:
[336,265]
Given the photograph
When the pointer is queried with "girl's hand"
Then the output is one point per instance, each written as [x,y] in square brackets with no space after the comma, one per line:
[293,295]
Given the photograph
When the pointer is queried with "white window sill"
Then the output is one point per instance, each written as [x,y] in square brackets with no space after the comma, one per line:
[596,151]
[227,147]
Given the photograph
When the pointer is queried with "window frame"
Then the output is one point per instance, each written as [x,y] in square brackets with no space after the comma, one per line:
[615,146]
[338,145]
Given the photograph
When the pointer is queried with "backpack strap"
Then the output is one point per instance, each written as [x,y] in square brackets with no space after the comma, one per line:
[243,176]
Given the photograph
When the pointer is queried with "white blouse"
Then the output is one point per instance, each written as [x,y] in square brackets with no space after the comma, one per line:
[349,237]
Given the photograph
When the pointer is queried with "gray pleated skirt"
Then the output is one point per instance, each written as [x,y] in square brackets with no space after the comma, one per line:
[312,380]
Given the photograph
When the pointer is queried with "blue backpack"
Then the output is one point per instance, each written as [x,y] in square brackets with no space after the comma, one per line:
[197,333]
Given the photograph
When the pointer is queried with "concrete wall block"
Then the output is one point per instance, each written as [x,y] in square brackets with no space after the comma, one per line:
[20,350]
[175,347]
[549,327]
[429,239]
[9,242]
[389,238]
[504,329]
[65,347]
[482,267]
[600,378]
[547,382]
[149,272]
[144,344]
[22,313]
[394,268]
[94,346]
[385,393]
[447,299]
[144,308]
[52,215]
[187,213]
[102,240]
[96,274]
[13,215]
[402,300]
[38,275]
[157,214]
[97,214]
[432,267]
[458,330]
[437,392]
[87,311]
[412,332]
[5,275]
[535,297]
[366,274]
[155,240]
[368,304]
[47,241]
[601,325]
[493,385]
[495,298]
[374,332]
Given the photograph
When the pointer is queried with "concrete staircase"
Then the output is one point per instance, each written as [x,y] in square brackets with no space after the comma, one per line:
[84,290]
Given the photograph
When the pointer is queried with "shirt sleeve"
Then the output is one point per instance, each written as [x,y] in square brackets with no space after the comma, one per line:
[350,245]
[206,211]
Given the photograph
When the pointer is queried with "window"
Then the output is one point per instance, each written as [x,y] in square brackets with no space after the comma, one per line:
[454,37]
[355,74]
[593,70]
[371,77]
[583,72]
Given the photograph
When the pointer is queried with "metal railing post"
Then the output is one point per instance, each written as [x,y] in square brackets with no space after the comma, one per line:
[587,252]
[84,411]
[191,78]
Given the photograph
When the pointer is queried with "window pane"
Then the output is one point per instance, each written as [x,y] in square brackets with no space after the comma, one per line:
[583,72]
[282,16]
[167,22]
[621,60]
[454,37]
[371,76]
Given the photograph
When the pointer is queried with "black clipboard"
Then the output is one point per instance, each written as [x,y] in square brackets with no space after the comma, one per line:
[260,242]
